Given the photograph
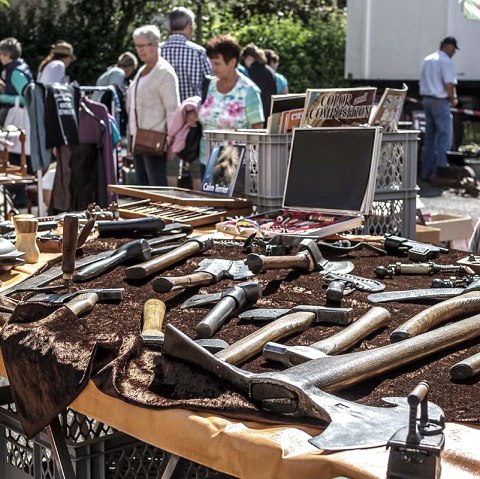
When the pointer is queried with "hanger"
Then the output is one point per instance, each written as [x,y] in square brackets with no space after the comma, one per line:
[89,112]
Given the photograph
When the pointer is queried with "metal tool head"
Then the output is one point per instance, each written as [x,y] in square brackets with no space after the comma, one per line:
[157,343]
[317,257]
[106,294]
[205,242]
[198,300]
[352,425]
[290,355]
[138,250]
[239,270]
[323,314]
[218,268]
[337,267]
[244,293]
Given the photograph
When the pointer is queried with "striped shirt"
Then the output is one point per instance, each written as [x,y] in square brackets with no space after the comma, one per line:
[189,61]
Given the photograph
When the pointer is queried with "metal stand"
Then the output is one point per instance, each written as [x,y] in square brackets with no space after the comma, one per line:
[415,449]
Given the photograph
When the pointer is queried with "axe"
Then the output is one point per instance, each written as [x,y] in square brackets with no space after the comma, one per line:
[233,299]
[193,246]
[303,390]
[308,259]
[152,334]
[289,356]
[210,271]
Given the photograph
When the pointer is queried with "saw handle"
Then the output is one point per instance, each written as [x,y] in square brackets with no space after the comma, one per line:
[252,344]
[374,319]
[164,284]
[463,305]
[83,303]
[153,316]
[142,270]
[70,238]
[258,263]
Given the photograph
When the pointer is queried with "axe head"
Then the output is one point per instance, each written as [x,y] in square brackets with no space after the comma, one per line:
[224,268]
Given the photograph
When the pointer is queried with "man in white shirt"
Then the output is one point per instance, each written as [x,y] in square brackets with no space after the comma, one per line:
[438,88]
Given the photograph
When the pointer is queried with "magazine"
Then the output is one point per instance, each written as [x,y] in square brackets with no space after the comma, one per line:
[389,109]
[222,173]
[338,107]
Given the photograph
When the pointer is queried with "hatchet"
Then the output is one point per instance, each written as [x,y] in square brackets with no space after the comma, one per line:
[374,319]
[304,390]
[210,271]
[152,334]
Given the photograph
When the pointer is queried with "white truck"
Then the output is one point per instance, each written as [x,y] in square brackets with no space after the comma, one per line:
[388,39]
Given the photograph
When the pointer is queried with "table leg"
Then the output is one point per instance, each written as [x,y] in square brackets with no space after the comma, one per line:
[60,450]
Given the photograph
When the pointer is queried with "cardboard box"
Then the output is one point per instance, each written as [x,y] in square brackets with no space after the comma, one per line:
[452,227]
[427,234]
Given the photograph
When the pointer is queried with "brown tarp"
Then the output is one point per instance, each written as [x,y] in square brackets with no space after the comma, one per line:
[50,354]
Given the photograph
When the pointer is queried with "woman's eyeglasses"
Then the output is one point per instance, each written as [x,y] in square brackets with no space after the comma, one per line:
[143,45]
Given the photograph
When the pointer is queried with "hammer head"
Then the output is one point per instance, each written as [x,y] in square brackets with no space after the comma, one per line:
[138,250]
[205,242]
[244,293]
[312,247]
[156,342]
[290,355]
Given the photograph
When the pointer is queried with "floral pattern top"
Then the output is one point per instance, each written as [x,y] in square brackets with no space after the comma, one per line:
[241,107]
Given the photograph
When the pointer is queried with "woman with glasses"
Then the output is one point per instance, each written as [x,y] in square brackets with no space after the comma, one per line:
[152,99]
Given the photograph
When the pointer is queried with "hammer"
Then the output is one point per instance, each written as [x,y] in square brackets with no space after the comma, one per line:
[152,334]
[138,250]
[307,259]
[233,299]
[374,319]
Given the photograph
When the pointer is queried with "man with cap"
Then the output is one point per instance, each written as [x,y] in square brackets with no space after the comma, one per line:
[438,82]
[53,66]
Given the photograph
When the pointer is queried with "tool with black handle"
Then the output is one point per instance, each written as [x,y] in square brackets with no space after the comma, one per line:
[136,251]
[130,227]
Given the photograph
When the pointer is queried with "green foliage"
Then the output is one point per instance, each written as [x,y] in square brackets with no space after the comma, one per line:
[308,35]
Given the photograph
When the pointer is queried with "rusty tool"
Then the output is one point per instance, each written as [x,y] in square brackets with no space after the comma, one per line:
[104,294]
[135,251]
[303,390]
[307,259]
[396,269]
[210,271]
[374,319]
[153,316]
[321,314]
[463,305]
[233,300]
[193,246]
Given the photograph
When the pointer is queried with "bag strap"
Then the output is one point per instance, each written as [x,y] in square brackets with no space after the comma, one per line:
[205,84]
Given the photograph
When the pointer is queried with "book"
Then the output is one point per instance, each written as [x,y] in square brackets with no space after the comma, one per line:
[389,109]
[280,104]
[289,120]
[338,107]
[222,173]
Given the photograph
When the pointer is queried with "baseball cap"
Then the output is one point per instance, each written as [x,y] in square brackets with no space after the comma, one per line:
[450,41]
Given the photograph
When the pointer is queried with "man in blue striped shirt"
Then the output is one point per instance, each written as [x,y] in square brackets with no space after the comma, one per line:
[188,59]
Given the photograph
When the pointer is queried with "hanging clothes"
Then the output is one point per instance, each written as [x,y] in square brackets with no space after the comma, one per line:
[95,129]
[61,114]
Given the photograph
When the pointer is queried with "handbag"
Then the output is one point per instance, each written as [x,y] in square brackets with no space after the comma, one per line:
[18,117]
[148,142]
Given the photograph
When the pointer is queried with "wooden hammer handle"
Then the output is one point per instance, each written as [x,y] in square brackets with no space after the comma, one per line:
[164,284]
[70,235]
[252,344]
[374,319]
[257,263]
[463,305]
[153,316]
[154,265]
[83,303]
[467,368]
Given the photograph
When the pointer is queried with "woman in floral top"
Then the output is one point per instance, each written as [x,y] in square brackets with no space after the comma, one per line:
[233,100]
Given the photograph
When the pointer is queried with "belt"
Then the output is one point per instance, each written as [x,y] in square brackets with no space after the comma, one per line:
[435,97]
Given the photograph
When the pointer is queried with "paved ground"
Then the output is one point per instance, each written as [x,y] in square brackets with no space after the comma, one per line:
[437,200]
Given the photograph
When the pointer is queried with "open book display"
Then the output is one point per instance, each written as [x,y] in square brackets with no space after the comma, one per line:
[338,107]
[330,184]
[389,109]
